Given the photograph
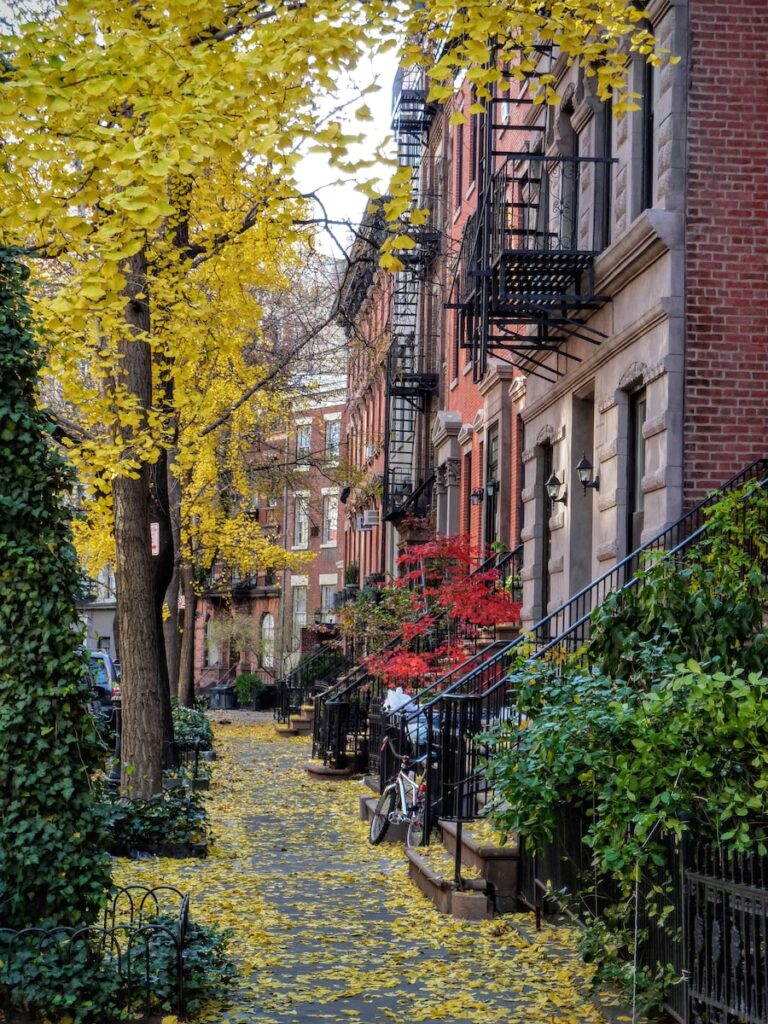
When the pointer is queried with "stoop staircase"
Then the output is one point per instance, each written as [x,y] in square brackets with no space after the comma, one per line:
[348,722]
[294,708]
[445,722]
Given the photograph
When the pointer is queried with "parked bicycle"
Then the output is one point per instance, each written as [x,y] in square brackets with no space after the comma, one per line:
[402,801]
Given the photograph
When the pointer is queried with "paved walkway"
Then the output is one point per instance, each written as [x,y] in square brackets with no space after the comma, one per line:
[328,928]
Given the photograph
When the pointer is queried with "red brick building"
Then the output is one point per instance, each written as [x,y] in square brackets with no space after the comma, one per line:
[591,289]
[264,622]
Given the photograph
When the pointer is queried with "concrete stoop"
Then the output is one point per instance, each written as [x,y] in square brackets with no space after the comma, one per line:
[469,905]
[498,865]
[395,833]
[323,773]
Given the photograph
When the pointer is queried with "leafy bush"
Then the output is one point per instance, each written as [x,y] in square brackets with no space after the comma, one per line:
[248,686]
[52,828]
[659,725]
[191,725]
[177,816]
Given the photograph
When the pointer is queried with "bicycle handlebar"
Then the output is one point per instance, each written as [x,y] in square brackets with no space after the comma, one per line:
[403,758]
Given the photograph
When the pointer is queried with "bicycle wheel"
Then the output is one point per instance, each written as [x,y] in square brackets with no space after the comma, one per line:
[415,835]
[380,819]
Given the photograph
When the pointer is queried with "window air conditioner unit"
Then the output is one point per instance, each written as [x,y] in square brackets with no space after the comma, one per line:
[371,517]
[361,525]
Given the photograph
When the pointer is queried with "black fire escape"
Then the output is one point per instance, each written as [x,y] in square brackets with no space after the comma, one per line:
[412,378]
[525,283]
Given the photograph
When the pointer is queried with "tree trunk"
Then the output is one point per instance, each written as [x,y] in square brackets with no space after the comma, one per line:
[142,720]
[187,647]
[140,635]
[162,564]
[172,625]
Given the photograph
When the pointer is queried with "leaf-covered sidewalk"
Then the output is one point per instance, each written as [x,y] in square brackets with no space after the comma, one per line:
[328,928]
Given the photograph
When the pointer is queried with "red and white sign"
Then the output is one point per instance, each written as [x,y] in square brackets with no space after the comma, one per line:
[154,536]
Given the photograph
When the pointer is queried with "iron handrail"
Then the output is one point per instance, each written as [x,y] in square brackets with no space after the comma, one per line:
[440,617]
[503,684]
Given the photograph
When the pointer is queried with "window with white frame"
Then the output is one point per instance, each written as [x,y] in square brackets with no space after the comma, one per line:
[327,590]
[303,443]
[300,520]
[332,439]
[299,618]
[268,640]
[330,518]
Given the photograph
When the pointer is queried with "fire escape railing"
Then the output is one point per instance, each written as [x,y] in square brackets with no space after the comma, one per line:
[524,282]
[411,375]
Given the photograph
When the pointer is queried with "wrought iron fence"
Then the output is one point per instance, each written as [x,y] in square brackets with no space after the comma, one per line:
[726,935]
[136,953]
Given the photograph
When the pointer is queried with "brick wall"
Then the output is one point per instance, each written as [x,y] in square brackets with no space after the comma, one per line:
[726,396]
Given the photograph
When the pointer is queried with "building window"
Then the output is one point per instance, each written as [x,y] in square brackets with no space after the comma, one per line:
[459,163]
[299,618]
[332,439]
[330,518]
[268,640]
[647,114]
[326,600]
[300,520]
[103,644]
[303,443]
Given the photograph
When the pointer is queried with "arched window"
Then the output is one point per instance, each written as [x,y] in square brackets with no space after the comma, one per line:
[268,640]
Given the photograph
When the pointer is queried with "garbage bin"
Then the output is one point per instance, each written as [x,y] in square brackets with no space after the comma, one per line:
[222,698]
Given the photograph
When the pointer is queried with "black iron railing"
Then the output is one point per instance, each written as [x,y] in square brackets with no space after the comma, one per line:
[488,687]
[313,675]
[138,948]
[348,715]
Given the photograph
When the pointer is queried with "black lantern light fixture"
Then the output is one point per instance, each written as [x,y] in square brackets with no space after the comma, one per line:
[554,487]
[476,495]
[584,471]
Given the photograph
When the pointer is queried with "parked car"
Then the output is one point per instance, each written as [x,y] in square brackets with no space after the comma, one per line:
[105,675]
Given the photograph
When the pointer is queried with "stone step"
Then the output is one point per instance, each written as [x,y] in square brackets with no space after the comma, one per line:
[286,730]
[498,865]
[323,773]
[395,833]
[470,904]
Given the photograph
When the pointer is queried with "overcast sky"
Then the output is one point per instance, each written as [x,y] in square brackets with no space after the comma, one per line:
[343,202]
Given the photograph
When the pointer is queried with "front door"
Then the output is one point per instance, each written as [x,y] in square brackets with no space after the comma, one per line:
[492,486]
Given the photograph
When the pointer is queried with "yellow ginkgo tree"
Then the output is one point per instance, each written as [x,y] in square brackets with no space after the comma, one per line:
[148,155]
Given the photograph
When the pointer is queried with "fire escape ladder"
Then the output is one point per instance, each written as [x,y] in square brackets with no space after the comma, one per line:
[524,284]
[411,379]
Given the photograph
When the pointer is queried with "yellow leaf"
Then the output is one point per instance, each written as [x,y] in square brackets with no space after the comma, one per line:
[458,117]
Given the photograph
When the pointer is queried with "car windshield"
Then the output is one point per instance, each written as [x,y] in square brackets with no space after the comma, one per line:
[99,670]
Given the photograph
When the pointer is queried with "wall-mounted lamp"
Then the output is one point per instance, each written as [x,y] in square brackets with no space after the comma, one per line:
[584,471]
[553,487]
[491,486]
[476,495]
